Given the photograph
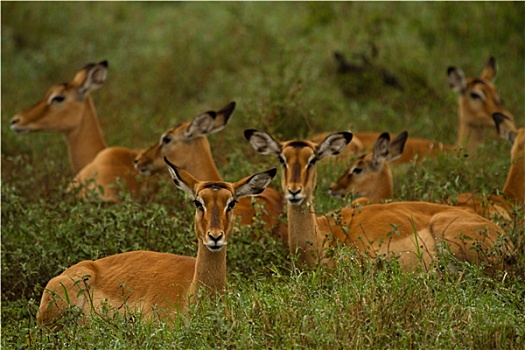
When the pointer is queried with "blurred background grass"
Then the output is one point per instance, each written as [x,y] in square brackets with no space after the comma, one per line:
[169,61]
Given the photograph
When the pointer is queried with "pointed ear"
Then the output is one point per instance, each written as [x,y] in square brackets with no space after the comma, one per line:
[333,144]
[95,76]
[490,71]
[255,184]
[380,150]
[397,146]
[201,125]
[456,79]
[181,178]
[223,116]
[263,142]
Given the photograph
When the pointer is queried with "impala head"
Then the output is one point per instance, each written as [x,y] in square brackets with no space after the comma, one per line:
[62,106]
[370,176]
[178,143]
[214,201]
[298,160]
[478,97]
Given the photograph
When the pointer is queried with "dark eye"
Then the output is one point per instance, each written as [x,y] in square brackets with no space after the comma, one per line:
[357,171]
[231,205]
[475,96]
[312,162]
[198,205]
[282,161]
[166,139]
[58,99]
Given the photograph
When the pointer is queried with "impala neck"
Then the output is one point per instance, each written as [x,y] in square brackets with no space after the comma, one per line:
[201,165]
[303,234]
[85,141]
[210,272]
[514,186]
[469,136]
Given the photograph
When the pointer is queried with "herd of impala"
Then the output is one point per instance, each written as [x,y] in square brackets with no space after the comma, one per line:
[417,234]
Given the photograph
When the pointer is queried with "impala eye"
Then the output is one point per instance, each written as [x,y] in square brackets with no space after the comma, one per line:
[58,99]
[166,139]
[312,162]
[282,160]
[198,205]
[476,96]
[231,205]
[357,171]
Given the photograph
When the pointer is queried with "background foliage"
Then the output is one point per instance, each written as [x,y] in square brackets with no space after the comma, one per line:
[170,61]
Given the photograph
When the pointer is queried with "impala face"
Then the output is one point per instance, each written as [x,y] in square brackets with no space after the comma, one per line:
[62,107]
[298,159]
[184,143]
[173,145]
[478,97]
[214,202]
[213,217]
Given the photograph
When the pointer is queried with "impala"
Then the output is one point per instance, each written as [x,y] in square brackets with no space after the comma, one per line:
[377,185]
[411,231]
[157,283]
[116,163]
[478,101]
[69,109]
[186,146]
[370,176]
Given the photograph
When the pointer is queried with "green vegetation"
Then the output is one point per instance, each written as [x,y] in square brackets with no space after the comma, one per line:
[170,61]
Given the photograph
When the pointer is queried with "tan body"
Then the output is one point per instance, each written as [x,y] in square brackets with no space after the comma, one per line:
[186,146]
[152,283]
[375,184]
[478,101]
[411,230]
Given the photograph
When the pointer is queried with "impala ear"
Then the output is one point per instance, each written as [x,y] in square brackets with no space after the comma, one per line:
[201,125]
[92,77]
[397,146]
[223,116]
[181,178]
[255,184]
[333,144]
[380,150]
[456,79]
[491,70]
[262,142]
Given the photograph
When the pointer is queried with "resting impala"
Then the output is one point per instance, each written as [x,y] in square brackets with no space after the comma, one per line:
[370,177]
[69,109]
[186,146]
[478,101]
[411,231]
[147,281]
[378,185]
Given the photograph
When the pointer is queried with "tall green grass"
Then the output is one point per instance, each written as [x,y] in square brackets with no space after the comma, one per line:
[170,61]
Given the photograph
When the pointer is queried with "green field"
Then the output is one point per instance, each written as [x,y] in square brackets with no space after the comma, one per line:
[169,62]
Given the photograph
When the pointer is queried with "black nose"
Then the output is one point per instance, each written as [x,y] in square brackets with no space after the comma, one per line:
[215,239]
[15,121]
[294,193]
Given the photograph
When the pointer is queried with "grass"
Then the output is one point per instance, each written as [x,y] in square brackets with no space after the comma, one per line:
[171,61]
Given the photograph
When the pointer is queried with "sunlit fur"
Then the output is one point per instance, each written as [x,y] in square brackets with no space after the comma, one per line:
[412,231]
[153,283]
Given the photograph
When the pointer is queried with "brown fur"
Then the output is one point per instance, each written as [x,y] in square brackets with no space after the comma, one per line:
[411,230]
[148,282]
